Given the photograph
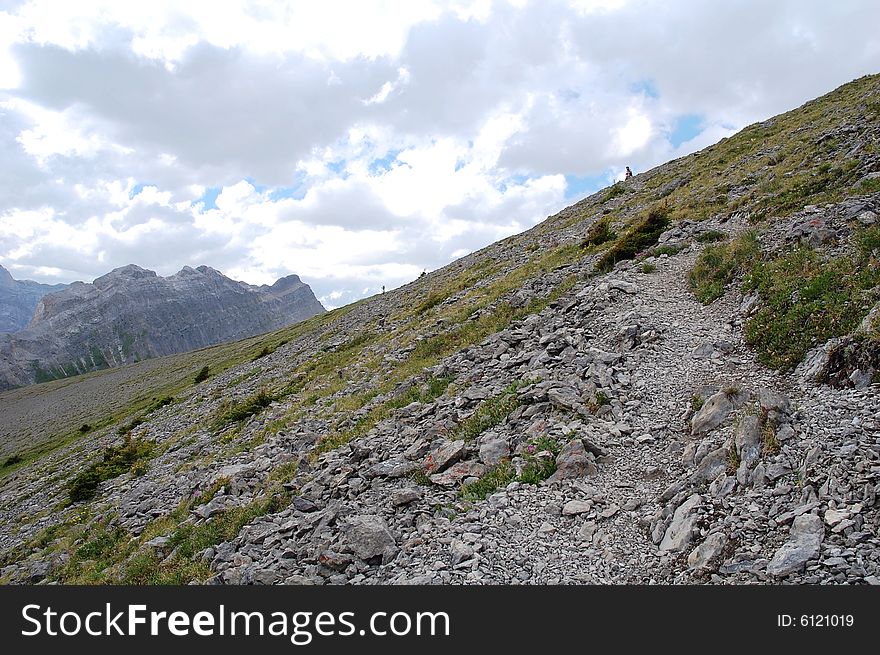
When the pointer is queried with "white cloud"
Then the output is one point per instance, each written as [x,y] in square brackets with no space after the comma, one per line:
[357,144]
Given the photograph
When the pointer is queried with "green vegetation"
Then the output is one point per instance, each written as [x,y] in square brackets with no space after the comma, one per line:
[638,237]
[160,403]
[599,400]
[539,455]
[202,375]
[239,411]
[431,389]
[600,232]
[869,186]
[768,432]
[718,265]
[647,267]
[263,353]
[733,459]
[806,300]
[497,478]
[187,541]
[104,553]
[490,412]
[116,461]
[813,185]
[711,236]
[616,189]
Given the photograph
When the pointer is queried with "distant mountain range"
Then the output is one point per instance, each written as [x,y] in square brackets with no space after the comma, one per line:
[132,314]
[18,300]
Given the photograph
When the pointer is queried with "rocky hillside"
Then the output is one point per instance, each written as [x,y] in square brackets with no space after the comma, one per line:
[132,314]
[18,300]
[674,380]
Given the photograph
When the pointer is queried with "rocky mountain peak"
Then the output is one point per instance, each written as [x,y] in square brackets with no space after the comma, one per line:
[122,274]
[132,313]
[6,279]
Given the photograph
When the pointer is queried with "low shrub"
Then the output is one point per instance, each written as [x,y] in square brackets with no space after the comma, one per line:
[130,456]
[616,189]
[490,413]
[497,478]
[711,236]
[246,408]
[12,460]
[638,237]
[540,460]
[600,232]
[202,375]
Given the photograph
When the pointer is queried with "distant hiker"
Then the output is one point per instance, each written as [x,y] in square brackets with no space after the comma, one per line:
[629,173]
[383,288]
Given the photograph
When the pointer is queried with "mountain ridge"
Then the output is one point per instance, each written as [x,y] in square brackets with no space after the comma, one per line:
[131,313]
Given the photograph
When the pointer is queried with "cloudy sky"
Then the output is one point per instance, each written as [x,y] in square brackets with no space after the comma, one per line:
[358,143]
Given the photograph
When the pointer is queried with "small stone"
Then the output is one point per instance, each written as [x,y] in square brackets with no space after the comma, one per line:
[369,537]
[835,516]
[302,504]
[460,551]
[712,413]
[587,530]
[404,497]
[574,461]
[458,472]
[609,511]
[446,455]
[576,507]
[705,556]
[498,500]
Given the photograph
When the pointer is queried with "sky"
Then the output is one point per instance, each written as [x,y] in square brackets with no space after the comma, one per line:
[360,143]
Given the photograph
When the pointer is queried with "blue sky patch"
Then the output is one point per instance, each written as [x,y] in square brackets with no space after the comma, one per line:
[685,128]
[383,164]
[137,188]
[513,180]
[297,192]
[581,186]
[338,167]
[259,188]
[209,198]
[645,87]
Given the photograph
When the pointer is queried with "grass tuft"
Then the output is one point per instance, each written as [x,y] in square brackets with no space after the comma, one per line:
[718,265]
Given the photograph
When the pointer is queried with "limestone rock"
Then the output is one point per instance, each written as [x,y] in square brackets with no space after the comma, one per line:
[368,536]
[804,541]
[680,532]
